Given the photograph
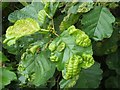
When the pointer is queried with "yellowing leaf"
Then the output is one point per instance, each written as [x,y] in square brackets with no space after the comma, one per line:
[21,28]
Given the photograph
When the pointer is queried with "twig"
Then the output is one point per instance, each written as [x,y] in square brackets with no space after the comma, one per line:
[53,29]
[58,82]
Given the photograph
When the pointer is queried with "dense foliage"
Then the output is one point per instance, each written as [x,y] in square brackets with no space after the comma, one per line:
[60,45]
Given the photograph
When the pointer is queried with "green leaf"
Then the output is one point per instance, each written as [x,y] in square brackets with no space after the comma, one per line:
[42,16]
[57,22]
[113,82]
[51,7]
[46,14]
[110,5]
[23,2]
[73,9]
[21,28]
[79,7]
[3,58]
[71,51]
[38,11]
[7,76]
[36,68]
[68,83]
[67,6]
[70,47]
[22,43]
[113,61]
[106,46]
[85,7]
[30,11]
[89,78]
[69,20]
[3,5]
[98,23]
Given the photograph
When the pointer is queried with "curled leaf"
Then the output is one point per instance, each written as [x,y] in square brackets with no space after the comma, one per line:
[88,61]
[82,39]
[52,46]
[21,28]
[72,67]
[53,58]
[34,48]
[72,29]
[73,52]
[68,83]
[61,47]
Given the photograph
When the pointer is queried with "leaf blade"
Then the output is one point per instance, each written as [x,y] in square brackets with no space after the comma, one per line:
[100,26]
[37,67]
[90,78]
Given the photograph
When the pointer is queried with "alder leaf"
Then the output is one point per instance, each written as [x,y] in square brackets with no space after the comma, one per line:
[113,82]
[90,78]
[3,58]
[7,76]
[98,23]
[113,61]
[30,11]
[66,45]
[69,20]
[71,52]
[36,68]
[68,83]
[21,28]
[42,16]
[106,46]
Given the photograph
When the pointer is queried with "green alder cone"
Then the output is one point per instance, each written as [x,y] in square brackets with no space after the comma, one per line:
[88,61]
